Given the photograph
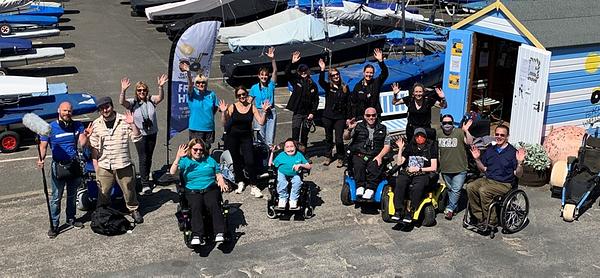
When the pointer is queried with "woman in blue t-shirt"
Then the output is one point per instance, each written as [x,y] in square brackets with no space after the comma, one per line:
[202,178]
[289,163]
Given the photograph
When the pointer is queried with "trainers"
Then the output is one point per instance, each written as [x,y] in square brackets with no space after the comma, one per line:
[147,190]
[368,194]
[407,218]
[75,224]
[137,217]
[328,161]
[448,214]
[360,191]
[240,187]
[195,240]
[52,233]
[281,204]
[256,192]
[293,204]
[397,216]
[340,163]
[219,237]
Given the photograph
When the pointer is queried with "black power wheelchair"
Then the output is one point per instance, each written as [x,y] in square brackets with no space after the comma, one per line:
[305,207]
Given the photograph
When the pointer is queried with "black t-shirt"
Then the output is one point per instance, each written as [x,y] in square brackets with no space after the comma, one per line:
[420,117]
[110,124]
[419,157]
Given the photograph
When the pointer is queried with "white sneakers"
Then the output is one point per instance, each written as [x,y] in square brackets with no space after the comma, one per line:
[293,204]
[256,192]
[219,237]
[195,240]
[368,194]
[360,191]
[281,204]
[240,187]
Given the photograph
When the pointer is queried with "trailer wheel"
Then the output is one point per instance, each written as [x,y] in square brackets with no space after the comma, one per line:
[3,72]
[9,141]
[5,29]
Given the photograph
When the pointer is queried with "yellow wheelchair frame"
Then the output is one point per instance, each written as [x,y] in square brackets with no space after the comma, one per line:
[433,201]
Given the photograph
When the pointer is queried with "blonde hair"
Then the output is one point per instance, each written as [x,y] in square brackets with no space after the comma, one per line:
[143,85]
[192,143]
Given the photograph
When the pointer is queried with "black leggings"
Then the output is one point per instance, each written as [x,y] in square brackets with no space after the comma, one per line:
[299,130]
[338,125]
[211,201]
[145,149]
[416,185]
[242,154]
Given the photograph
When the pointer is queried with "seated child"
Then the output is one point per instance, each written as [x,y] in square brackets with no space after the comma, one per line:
[289,163]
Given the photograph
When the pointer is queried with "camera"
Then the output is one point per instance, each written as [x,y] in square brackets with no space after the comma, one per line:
[147,124]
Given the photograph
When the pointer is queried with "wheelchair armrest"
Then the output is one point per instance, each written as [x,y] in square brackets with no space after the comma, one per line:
[571,160]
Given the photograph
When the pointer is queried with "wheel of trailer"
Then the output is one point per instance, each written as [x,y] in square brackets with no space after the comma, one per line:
[559,173]
[3,72]
[5,29]
[9,141]
[569,212]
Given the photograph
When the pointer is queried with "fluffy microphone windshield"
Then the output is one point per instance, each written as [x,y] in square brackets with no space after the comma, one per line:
[36,124]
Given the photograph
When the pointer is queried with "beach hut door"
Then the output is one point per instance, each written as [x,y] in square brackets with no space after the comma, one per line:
[529,95]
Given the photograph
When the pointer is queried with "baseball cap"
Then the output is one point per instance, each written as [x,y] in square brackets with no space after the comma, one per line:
[103,101]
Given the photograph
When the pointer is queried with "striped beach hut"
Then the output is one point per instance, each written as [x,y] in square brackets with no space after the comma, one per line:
[534,64]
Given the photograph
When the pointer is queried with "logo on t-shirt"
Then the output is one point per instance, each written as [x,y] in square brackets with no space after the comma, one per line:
[447,142]
[416,161]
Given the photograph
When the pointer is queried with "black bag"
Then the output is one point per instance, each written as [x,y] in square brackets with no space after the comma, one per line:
[109,221]
[68,170]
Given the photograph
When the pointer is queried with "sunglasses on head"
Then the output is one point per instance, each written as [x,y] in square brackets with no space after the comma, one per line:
[370,115]
[501,134]
[142,90]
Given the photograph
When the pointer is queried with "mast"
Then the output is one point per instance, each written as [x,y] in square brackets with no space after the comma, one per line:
[403,29]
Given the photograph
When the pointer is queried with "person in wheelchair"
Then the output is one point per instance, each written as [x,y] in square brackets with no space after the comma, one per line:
[370,143]
[419,161]
[203,186]
[288,164]
[500,163]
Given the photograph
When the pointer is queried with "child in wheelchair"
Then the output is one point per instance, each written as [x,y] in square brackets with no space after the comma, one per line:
[289,164]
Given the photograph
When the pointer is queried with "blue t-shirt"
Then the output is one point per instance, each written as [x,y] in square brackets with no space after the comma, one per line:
[199,175]
[285,163]
[63,141]
[260,93]
[500,163]
[202,110]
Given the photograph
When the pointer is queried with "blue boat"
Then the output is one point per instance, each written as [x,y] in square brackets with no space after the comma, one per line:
[29,19]
[41,10]
[15,46]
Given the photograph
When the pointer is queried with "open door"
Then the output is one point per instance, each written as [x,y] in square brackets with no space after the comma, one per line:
[529,95]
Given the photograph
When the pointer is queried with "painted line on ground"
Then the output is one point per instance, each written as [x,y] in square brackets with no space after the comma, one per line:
[21,159]
[284,123]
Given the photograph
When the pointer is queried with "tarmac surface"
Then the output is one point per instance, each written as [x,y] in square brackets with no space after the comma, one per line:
[104,44]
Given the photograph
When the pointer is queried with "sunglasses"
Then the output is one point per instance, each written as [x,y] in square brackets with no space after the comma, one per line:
[197,149]
[200,82]
[335,74]
[242,95]
[370,115]
[500,134]
[447,123]
[142,90]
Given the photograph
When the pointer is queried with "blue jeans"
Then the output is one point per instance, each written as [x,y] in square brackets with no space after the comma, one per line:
[454,182]
[282,183]
[266,132]
[58,187]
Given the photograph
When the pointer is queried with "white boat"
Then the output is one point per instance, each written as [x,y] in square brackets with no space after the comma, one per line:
[33,33]
[14,5]
[227,33]
[183,7]
[41,55]
[16,86]
[303,29]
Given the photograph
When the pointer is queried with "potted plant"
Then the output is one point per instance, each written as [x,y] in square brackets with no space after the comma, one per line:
[535,166]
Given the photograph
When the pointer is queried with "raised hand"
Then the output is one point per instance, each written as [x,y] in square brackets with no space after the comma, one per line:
[439,92]
[184,66]
[266,105]
[128,117]
[295,57]
[271,53]
[521,155]
[322,64]
[222,105]
[467,125]
[395,88]
[88,130]
[378,54]
[125,83]
[162,80]
[400,143]
[475,152]
[182,150]
[351,123]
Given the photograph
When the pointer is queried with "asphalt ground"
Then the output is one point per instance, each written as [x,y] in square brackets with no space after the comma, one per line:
[104,44]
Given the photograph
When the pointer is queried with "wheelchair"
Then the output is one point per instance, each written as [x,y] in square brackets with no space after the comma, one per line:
[583,177]
[261,153]
[511,210]
[305,208]
[434,200]
[87,192]
[184,217]
[348,192]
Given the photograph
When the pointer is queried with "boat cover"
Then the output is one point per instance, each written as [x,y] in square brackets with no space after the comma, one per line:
[304,29]
[14,46]
[41,55]
[395,37]
[45,107]
[28,19]
[10,5]
[33,33]
[43,10]
[139,6]
[227,33]
[406,71]
[184,7]
[235,12]
[357,12]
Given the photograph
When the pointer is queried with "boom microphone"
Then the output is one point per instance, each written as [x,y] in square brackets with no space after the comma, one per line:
[36,124]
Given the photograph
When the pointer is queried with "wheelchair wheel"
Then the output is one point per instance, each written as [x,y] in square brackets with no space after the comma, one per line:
[385,205]
[308,212]
[514,211]
[271,214]
[187,239]
[428,216]
[559,173]
[345,195]
[83,200]
[443,201]
[568,213]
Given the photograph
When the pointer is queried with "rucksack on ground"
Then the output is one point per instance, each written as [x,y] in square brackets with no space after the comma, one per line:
[109,221]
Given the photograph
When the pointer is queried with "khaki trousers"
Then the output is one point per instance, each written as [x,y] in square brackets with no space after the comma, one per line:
[125,178]
[481,192]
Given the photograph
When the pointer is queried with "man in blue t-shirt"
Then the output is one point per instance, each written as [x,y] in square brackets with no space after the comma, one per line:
[64,136]
[500,163]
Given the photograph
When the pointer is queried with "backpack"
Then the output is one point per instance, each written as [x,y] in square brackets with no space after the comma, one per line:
[109,221]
